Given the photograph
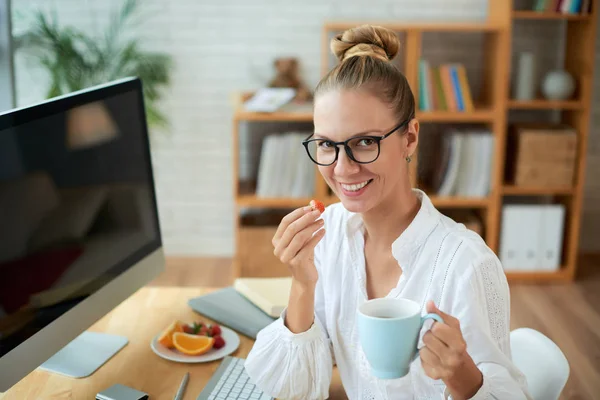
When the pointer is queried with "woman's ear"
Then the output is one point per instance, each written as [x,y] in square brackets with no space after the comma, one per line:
[412,137]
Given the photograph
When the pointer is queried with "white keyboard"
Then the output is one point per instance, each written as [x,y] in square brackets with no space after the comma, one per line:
[230,381]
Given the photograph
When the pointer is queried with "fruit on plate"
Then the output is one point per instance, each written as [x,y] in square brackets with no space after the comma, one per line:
[195,329]
[317,205]
[219,342]
[214,330]
[193,345]
[200,328]
[166,337]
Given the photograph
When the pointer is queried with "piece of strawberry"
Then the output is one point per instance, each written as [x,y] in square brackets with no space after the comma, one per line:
[317,205]
[218,342]
[188,328]
[214,330]
[203,331]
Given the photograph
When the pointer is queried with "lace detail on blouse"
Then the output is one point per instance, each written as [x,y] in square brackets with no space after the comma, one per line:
[495,300]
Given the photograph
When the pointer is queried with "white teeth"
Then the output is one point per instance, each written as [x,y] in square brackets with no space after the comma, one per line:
[354,188]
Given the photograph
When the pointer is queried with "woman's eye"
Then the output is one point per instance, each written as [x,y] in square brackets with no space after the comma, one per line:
[325,144]
[366,142]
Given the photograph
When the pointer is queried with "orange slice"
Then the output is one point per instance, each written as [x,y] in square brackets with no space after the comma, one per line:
[166,338]
[192,345]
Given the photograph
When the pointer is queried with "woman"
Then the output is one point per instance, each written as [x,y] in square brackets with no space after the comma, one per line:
[384,239]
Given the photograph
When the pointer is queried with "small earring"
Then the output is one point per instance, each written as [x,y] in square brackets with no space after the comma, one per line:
[408,159]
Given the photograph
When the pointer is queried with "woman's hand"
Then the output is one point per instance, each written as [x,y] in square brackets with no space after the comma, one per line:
[295,242]
[445,357]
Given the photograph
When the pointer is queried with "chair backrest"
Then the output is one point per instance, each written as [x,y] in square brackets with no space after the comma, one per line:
[541,361]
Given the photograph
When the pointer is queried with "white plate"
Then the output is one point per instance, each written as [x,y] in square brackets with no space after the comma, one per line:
[232,341]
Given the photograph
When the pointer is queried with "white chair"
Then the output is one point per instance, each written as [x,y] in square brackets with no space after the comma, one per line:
[541,361]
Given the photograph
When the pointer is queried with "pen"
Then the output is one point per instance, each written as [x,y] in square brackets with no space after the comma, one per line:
[182,386]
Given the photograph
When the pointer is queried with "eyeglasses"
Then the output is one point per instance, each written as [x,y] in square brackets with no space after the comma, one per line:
[360,149]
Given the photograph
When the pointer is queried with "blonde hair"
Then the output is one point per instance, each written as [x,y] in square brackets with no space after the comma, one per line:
[365,54]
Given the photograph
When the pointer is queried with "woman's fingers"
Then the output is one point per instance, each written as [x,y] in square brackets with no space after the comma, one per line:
[429,357]
[294,228]
[299,241]
[309,247]
[435,345]
[287,220]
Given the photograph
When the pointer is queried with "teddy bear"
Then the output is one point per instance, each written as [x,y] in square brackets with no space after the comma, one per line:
[287,76]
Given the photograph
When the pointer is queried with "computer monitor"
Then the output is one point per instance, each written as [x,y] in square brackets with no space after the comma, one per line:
[79,229]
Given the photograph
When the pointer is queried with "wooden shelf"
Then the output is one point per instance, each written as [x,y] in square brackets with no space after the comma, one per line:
[513,190]
[560,275]
[542,104]
[275,116]
[479,115]
[418,27]
[459,202]
[291,112]
[528,14]
[252,201]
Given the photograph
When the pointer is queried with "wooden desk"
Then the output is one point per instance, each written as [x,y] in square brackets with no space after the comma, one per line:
[139,318]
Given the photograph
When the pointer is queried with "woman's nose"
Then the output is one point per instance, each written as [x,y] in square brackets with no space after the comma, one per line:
[344,165]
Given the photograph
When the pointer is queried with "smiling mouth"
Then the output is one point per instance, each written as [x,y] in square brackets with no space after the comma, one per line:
[355,187]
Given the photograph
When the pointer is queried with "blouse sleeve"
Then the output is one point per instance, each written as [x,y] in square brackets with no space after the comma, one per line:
[484,316]
[293,366]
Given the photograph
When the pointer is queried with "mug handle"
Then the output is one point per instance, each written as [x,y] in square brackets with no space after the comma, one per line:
[423,319]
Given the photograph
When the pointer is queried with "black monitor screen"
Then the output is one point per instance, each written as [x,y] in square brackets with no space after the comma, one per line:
[77,203]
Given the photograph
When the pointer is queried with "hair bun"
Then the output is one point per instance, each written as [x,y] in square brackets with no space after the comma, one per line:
[366,40]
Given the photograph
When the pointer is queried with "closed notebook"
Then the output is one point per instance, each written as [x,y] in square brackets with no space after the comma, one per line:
[229,308]
[269,294]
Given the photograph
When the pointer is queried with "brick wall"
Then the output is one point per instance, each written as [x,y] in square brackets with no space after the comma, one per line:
[221,49]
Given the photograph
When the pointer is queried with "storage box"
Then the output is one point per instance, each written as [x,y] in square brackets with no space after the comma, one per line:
[542,155]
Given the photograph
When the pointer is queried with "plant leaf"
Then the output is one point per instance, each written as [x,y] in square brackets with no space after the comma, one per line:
[75,60]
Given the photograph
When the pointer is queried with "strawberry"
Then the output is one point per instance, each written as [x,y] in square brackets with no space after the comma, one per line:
[203,331]
[215,330]
[317,205]
[188,328]
[219,342]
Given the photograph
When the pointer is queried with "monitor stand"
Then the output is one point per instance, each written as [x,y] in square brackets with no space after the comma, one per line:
[84,354]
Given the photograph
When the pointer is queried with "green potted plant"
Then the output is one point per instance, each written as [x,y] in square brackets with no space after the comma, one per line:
[76,60]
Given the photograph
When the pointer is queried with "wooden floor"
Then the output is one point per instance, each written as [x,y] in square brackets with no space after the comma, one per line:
[569,314]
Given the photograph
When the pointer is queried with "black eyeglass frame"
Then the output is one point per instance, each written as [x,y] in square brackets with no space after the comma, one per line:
[377,139]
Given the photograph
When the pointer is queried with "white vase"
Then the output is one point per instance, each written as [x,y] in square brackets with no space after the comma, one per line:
[525,83]
[558,85]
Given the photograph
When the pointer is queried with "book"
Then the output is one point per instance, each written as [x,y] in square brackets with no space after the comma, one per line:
[464,88]
[229,308]
[269,99]
[284,168]
[269,294]
[444,87]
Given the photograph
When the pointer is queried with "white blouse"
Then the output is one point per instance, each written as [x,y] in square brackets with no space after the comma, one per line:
[441,260]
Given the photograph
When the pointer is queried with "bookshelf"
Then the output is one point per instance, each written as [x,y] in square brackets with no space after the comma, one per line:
[491,109]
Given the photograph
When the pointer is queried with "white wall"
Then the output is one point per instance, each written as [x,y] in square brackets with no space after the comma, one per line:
[218,50]
[6,71]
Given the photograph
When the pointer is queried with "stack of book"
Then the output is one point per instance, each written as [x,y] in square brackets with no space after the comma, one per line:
[463,163]
[444,87]
[563,6]
[285,170]
[247,306]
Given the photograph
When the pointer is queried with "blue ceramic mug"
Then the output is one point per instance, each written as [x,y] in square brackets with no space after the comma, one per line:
[388,330]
